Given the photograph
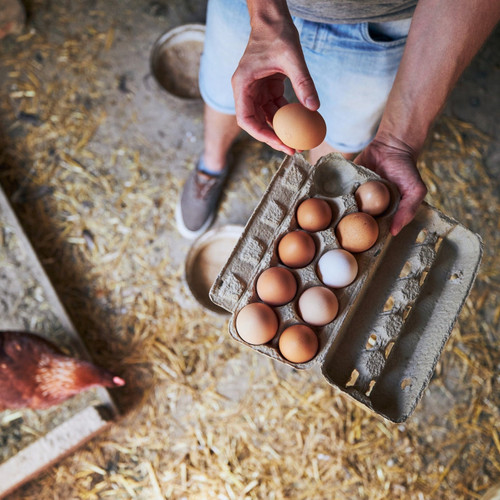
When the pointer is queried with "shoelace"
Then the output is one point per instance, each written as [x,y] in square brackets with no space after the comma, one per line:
[204,184]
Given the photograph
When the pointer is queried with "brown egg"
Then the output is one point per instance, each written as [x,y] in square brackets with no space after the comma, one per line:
[373,197]
[276,286]
[318,305]
[296,249]
[257,323]
[314,214]
[299,127]
[357,232]
[298,343]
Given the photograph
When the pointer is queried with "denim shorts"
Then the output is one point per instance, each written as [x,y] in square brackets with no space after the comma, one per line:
[353,67]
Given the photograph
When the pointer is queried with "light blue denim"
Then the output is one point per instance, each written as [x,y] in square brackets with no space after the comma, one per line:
[353,67]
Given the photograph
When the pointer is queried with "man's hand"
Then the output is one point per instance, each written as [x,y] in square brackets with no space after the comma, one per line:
[273,53]
[443,38]
[396,162]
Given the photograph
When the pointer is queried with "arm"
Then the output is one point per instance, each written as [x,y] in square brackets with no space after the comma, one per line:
[444,37]
[272,54]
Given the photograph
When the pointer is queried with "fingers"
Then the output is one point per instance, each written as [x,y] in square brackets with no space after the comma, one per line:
[303,86]
[272,106]
[265,133]
[295,68]
[398,166]
[402,217]
[256,100]
[255,119]
[408,206]
[258,86]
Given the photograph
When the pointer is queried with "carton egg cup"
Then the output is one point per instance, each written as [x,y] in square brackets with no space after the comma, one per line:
[393,319]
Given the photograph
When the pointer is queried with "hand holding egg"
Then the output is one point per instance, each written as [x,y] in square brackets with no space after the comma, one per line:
[273,53]
[395,161]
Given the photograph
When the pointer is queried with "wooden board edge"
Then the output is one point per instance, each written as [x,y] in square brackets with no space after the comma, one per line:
[52,447]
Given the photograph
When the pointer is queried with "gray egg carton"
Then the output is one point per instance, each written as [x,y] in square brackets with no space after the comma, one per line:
[397,315]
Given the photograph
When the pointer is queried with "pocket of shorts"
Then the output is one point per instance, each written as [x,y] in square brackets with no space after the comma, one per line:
[386,34]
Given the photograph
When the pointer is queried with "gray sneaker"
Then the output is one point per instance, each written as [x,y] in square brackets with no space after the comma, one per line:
[196,209]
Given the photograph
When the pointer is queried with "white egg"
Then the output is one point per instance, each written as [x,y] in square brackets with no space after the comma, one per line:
[337,268]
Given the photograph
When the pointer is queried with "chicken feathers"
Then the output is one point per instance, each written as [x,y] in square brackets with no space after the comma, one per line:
[34,373]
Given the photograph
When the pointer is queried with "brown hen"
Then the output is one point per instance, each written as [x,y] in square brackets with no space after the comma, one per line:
[34,373]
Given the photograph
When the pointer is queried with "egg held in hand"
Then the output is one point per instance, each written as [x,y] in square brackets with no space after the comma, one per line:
[357,232]
[276,286]
[298,127]
[256,323]
[337,268]
[298,343]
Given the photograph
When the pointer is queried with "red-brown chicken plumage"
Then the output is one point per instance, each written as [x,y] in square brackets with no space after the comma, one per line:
[34,373]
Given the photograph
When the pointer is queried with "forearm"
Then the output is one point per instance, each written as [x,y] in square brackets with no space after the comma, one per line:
[271,25]
[444,37]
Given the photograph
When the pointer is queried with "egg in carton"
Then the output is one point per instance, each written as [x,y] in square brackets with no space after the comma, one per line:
[393,320]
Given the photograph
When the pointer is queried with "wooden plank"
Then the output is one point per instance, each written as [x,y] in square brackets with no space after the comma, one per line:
[56,444]
[67,426]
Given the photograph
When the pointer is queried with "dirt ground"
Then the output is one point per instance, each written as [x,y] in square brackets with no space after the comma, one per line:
[476,98]
[92,157]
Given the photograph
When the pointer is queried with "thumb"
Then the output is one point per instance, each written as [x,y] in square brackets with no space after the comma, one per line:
[303,85]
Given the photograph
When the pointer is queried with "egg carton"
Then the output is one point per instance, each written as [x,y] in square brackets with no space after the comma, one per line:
[397,315]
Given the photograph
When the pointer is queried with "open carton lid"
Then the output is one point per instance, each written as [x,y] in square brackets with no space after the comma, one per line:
[396,316]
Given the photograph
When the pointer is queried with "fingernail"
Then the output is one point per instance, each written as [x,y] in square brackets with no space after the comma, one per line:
[312,103]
